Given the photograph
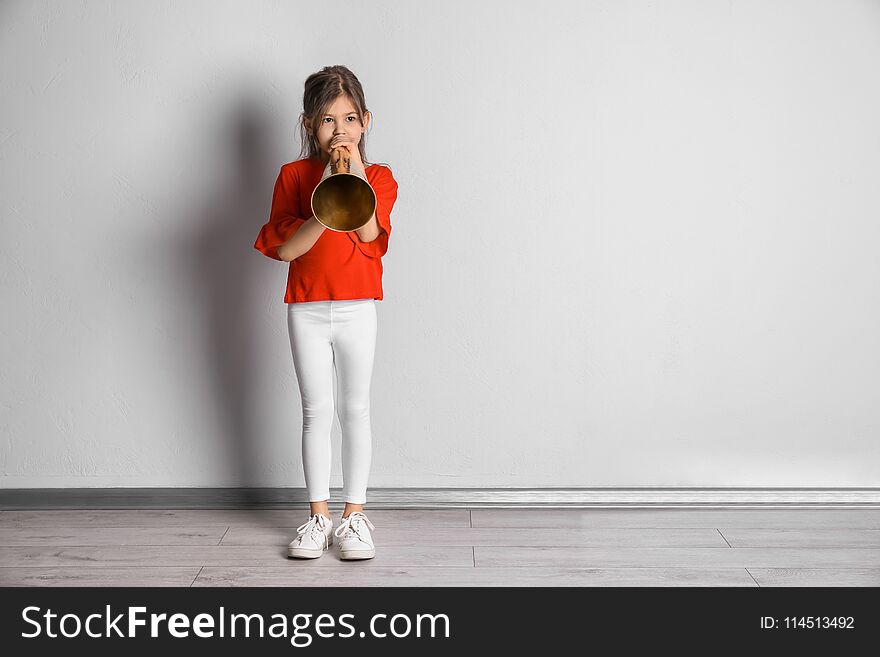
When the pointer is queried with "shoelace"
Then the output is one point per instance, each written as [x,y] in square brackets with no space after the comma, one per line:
[311,526]
[351,523]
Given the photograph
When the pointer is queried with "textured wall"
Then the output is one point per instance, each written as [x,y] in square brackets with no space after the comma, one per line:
[635,242]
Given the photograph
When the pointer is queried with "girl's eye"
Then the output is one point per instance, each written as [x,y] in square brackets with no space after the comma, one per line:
[331,118]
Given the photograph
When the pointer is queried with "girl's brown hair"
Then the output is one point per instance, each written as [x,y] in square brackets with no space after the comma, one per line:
[321,89]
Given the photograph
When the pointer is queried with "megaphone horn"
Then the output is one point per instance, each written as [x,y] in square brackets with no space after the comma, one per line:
[344,200]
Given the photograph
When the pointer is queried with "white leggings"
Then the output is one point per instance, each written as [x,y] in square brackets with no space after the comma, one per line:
[340,335]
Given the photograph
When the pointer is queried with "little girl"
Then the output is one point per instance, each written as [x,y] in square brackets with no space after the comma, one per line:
[333,282]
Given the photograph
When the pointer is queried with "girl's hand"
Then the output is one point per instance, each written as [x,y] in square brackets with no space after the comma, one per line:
[350,146]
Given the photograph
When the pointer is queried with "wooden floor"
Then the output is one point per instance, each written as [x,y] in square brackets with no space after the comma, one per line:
[447,547]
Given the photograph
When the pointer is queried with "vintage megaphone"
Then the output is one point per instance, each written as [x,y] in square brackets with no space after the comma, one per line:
[344,200]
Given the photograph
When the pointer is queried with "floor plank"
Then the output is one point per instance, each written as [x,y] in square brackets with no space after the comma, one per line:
[77,576]
[620,557]
[225,517]
[442,535]
[72,536]
[816,576]
[805,538]
[730,518]
[339,573]
[213,555]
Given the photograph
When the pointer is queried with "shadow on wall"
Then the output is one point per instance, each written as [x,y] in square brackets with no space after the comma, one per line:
[221,282]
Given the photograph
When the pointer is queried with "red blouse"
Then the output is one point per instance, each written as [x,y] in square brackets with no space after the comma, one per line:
[339,265]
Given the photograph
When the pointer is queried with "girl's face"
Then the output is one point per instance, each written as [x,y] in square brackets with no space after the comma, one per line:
[341,120]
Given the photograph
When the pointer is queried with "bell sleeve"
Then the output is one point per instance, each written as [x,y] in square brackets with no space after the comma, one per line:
[386,194]
[284,219]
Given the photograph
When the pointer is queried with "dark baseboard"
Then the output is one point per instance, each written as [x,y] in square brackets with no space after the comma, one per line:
[430,498]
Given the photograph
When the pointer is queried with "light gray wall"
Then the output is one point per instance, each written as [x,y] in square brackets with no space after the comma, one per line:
[635,242]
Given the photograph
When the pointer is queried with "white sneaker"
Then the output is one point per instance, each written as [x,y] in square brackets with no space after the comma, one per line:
[314,536]
[355,541]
